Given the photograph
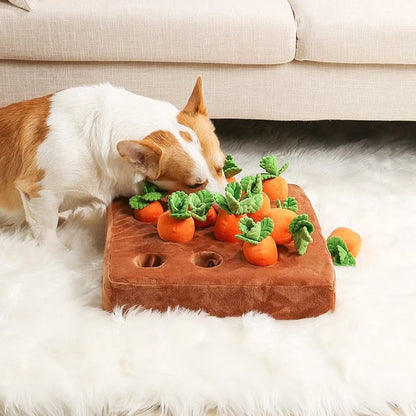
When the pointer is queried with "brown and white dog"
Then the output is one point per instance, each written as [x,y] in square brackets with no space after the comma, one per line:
[92,144]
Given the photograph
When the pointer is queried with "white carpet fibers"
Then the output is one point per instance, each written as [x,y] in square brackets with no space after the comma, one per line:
[61,354]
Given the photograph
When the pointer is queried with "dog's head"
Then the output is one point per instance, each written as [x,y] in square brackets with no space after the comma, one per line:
[187,158]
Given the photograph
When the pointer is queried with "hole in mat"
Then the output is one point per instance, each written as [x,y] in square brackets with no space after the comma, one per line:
[207,259]
[148,260]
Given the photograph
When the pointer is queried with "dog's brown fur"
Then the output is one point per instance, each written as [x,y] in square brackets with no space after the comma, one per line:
[195,116]
[22,129]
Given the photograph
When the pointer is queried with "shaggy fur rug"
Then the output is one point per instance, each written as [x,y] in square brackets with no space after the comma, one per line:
[60,353]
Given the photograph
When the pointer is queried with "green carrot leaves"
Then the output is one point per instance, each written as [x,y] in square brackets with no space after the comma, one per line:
[233,193]
[301,230]
[252,184]
[150,194]
[269,164]
[222,202]
[250,203]
[290,203]
[232,203]
[200,203]
[339,252]
[254,232]
[178,203]
[230,169]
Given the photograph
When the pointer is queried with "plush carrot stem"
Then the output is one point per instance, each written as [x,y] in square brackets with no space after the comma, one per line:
[262,212]
[230,169]
[211,218]
[288,203]
[234,203]
[178,205]
[301,229]
[339,252]
[201,209]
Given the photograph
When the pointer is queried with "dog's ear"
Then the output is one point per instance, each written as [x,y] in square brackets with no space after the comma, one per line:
[195,103]
[144,155]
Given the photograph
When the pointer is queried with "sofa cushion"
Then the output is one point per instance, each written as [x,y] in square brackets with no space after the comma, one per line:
[356,31]
[216,31]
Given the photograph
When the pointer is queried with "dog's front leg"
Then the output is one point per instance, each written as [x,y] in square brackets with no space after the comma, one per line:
[41,214]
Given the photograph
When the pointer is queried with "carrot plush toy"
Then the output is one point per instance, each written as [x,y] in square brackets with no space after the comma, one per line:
[147,207]
[253,185]
[274,185]
[230,169]
[232,208]
[258,247]
[289,226]
[201,208]
[344,245]
[176,224]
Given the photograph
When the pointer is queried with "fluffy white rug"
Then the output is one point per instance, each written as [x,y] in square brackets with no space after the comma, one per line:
[61,354]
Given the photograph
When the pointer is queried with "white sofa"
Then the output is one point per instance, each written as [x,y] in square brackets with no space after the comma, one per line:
[264,59]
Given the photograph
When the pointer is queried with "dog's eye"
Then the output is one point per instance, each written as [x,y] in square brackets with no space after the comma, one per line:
[196,185]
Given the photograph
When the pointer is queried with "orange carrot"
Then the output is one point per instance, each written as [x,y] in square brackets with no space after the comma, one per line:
[147,207]
[226,226]
[282,218]
[276,188]
[343,245]
[253,185]
[262,254]
[176,224]
[262,212]
[273,184]
[150,213]
[232,179]
[175,230]
[289,226]
[258,247]
[351,239]
[232,209]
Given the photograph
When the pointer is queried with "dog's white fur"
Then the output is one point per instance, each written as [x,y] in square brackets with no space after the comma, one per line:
[79,156]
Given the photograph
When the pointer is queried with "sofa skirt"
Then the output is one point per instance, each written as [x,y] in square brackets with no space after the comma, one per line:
[293,91]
